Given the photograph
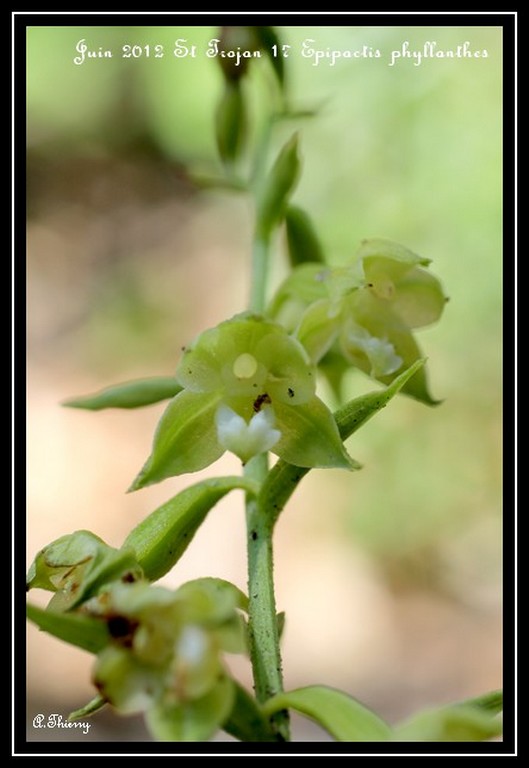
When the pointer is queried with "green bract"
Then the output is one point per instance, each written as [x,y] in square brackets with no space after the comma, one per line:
[366,311]
[248,387]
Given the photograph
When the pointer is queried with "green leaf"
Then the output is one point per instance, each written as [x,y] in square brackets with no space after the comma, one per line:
[303,243]
[163,536]
[490,702]
[74,628]
[93,705]
[130,394]
[76,566]
[460,722]
[185,439]
[193,720]
[354,414]
[246,721]
[310,437]
[283,478]
[341,715]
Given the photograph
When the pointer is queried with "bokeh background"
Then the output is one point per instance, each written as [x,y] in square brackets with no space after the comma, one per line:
[391,577]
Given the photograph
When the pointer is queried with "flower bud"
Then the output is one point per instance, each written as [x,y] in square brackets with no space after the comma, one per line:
[303,243]
[278,186]
[230,122]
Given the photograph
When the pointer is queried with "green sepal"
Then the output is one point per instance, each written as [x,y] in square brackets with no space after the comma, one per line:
[185,439]
[246,721]
[283,478]
[74,628]
[194,719]
[163,536]
[304,285]
[278,186]
[215,604]
[318,329]
[345,718]
[219,598]
[381,322]
[466,721]
[130,684]
[303,243]
[77,566]
[310,437]
[129,394]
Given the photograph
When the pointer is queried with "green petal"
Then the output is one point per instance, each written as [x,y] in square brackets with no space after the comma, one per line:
[310,437]
[304,285]
[77,566]
[382,323]
[318,329]
[129,394]
[342,716]
[290,377]
[185,439]
[419,299]
[195,720]
[75,628]
[283,478]
[210,599]
[163,536]
[127,683]
[200,367]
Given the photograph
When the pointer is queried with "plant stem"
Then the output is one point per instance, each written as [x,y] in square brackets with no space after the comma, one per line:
[263,629]
[259,275]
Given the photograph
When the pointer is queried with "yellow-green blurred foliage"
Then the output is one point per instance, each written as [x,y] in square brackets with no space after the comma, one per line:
[390,577]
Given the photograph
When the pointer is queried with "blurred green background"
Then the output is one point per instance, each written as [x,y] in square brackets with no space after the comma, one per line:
[391,578]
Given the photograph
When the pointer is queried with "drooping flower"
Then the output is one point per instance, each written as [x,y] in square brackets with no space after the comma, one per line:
[248,387]
[164,657]
[366,312]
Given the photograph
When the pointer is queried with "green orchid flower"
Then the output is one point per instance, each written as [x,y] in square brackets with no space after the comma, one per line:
[248,388]
[164,658]
[365,312]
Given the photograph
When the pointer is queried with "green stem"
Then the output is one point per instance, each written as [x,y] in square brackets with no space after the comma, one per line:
[263,629]
[260,259]
[265,654]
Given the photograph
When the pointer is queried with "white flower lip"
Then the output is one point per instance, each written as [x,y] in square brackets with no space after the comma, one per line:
[380,352]
[244,439]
